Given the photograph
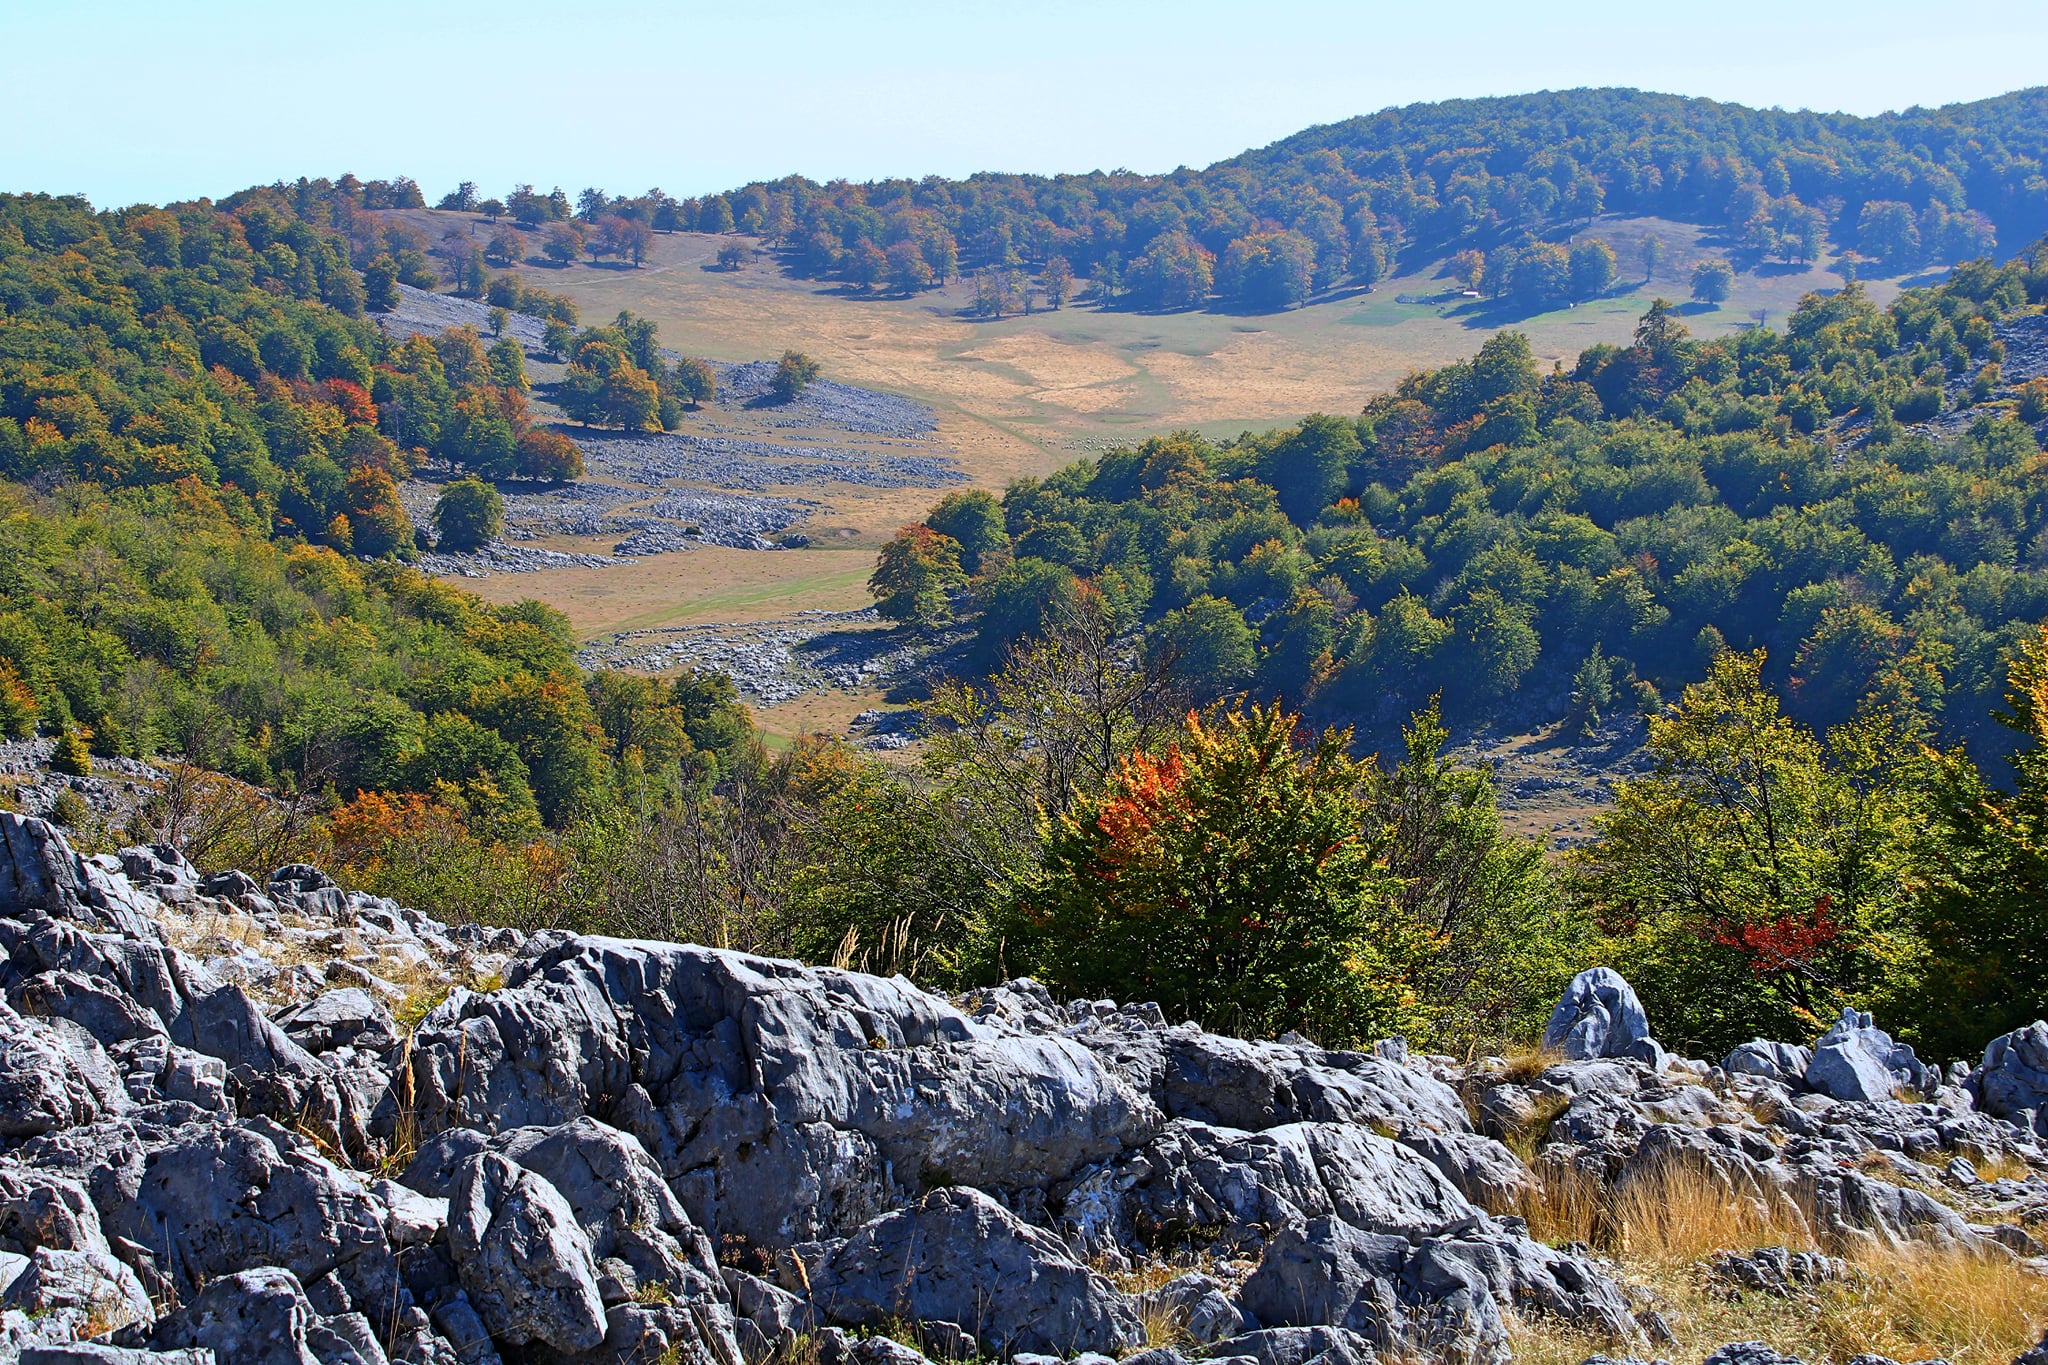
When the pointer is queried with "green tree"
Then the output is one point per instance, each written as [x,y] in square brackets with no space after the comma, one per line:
[794,373]
[468,515]
[563,243]
[974,520]
[1308,467]
[1058,279]
[1175,272]
[1593,268]
[380,284]
[1500,942]
[508,364]
[1226,878]
[1713,281]
[1984,857]
[1208,645]
[913,575]
[1888,230]
[1757,881]
[908,270]
[695,380]
[1653,255]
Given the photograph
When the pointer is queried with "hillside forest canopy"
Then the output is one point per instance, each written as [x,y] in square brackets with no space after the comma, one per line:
[1860,494]
[1500,182]
[1811,558]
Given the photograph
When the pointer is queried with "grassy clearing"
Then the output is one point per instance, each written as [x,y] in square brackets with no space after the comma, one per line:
[1907,1306]
[692,587]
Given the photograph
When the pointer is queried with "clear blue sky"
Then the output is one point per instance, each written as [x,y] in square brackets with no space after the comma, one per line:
[129,100]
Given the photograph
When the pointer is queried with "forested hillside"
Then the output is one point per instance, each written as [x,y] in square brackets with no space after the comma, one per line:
[201,544]
[1861,494]
[1345,203]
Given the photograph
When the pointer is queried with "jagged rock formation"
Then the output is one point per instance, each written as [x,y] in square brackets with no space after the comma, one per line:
[609,1151]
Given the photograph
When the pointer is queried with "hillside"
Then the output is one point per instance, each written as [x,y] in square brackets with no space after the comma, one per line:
[389,979]
[1346,204]
[1858,494]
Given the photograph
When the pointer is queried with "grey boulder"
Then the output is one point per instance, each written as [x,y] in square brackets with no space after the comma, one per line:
[348,1017]
[1395,1296]
[1195,1176]
[1195,1305]
[90,1280]
[2012,1080]
[960,1257]
[1444,1294]
[209,1200]
[1298,1346]
[40,872]
[1785,1063]
[1857,1061]
[97,1353]
[253,1317]
[627,1214]
[1236,1083]
[1600,1016]
[523,1259]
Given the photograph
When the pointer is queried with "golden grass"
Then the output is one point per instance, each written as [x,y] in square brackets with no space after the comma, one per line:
[1999,1166]
[1527,1136]
[1525,1064]
[1909,1303]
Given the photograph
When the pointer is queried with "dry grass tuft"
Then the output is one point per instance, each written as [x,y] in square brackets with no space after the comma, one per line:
[1529,1135]
[1674,1216]
[1526,1064]
[1999,1166]
[1909,1303]
[1164,1327]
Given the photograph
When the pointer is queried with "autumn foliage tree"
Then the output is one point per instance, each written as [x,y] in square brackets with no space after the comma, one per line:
[1227,878]
[549,456]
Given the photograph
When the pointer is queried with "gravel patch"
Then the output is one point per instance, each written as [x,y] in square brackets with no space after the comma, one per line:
[824,402]
[774,661]
[730,462]
[499,557]
[420,313]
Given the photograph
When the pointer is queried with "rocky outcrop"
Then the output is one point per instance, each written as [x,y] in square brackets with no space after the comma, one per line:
[623,1151]
[958,1256]
[782,1102]
[523,1258]
[2012,1081]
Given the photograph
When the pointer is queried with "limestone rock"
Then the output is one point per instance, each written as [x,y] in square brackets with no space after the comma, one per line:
[959,1256]
[2012,1080]
[93,1281]
[523,1258]
[254,1317]
[1598,1016]
[1782,1062]
[1856,1060]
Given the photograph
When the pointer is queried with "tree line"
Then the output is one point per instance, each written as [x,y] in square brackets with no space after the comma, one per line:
[1340,204]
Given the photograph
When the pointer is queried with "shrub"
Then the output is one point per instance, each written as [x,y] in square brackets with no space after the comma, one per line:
[793,374]
[468,514]
[549,455]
